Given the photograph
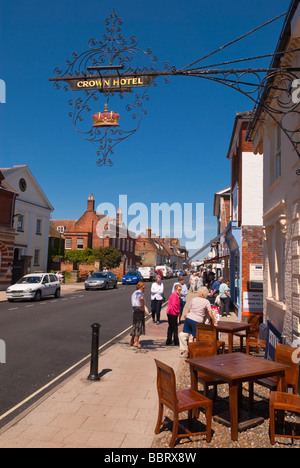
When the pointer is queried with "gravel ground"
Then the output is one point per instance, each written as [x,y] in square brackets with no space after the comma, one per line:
[256,437]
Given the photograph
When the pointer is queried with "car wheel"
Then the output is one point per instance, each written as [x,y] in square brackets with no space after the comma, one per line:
[87,289]
[37,296]
[115,285]
[106,286]
[10,300]
[57,293]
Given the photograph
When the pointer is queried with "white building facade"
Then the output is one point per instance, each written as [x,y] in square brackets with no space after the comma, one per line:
[31,222]
[281,194]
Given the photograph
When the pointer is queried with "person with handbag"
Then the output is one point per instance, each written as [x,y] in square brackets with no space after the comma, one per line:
[173,314]
[138,303]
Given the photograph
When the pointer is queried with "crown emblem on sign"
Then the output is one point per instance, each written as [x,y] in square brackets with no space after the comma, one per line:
[106,118]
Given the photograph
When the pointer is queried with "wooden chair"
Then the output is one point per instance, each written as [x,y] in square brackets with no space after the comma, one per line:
[179,401]
[282,402]
[209,333]
[254,322]
[284,355]
[202,349]
[253,340]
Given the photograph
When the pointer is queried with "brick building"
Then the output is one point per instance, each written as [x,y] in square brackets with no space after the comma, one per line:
[220,251]
[244,234]
[7,232]
[94,230]
[150,250]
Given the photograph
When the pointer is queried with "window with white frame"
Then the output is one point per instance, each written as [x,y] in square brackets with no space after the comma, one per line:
[276,262]
[235,200]
[20,223]
[68,244]
[61,229]
[79,243]
[36,260]
[38,227]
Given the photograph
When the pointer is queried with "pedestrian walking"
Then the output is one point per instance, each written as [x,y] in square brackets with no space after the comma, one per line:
[184,293]
[225,298]
[215,288]
[193,282]
[173,314]
[157,297]
[138,303]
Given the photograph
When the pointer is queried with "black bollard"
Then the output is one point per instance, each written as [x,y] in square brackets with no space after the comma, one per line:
[94,374]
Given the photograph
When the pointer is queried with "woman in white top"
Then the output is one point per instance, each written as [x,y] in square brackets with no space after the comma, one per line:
[157,296]
[138,303]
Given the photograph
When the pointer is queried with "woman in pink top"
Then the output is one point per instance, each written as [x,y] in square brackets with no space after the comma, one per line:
[173,312]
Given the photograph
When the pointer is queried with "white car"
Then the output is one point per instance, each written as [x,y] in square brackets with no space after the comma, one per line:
[34,286]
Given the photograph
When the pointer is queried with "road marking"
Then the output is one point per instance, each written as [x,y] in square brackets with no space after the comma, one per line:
[14,308]
[31,305]
[58,377]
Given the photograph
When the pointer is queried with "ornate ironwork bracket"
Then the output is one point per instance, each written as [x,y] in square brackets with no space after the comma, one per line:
[116,66]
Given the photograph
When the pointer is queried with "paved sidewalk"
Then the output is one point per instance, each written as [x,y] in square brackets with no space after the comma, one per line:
[119,411]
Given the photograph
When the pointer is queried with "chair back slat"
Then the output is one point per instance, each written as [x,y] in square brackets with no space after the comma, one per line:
[202,349]
[166,385]
[285,354]
[254,322]
[206,333]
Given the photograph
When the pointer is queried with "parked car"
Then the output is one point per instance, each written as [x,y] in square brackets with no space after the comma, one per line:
[148,273]
[34,286]
[164,270]
[101,280]
[132,277]
[167,271]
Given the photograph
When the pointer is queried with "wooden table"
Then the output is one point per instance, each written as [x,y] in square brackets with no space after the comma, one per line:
[231,328]
[236,368]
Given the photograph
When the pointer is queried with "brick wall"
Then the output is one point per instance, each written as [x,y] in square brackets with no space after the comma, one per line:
[252,253]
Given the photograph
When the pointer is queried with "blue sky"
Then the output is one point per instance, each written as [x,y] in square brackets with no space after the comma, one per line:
[179,152]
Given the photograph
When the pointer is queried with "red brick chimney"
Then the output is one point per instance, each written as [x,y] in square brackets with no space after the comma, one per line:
[148,233]
[91,203]
[119,217]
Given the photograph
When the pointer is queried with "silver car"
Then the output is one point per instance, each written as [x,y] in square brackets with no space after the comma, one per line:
[101,280]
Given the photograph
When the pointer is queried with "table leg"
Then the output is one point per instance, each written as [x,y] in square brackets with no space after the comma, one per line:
[233,402]
[230,342]
[194,379]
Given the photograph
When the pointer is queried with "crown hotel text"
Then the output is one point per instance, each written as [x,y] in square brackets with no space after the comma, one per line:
[110,82]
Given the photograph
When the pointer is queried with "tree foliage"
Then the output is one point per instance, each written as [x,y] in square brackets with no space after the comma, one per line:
[108,256]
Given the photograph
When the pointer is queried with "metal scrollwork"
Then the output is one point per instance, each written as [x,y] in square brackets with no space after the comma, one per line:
[269,89]
[113,50]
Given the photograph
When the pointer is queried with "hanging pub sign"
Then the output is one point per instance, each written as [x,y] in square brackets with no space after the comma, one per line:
[106,83]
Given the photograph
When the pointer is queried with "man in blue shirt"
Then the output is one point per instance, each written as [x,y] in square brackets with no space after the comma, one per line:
[215,288]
